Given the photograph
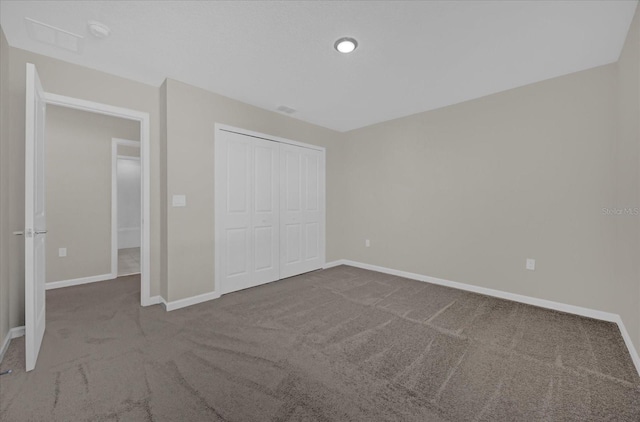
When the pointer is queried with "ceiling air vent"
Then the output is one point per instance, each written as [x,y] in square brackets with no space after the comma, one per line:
[285,109]
[51,35]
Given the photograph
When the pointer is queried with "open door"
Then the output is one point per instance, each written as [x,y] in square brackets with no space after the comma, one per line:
[34,218]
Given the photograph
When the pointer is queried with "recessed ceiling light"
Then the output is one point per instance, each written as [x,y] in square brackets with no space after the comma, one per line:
[345,45]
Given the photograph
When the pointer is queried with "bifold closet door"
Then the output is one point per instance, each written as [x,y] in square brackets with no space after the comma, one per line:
[301,210]
[249,251]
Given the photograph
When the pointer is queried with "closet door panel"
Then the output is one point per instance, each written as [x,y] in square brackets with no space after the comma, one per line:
[311,193]
[292,180]
[237,256]
[269,210]
[236,248]
[301,216]
[293,243]
[312,247]
[266,211]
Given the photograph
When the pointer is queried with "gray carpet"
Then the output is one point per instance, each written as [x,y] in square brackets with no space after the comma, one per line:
[342,344]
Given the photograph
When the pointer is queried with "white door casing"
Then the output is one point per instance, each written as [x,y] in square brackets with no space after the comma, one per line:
[35,230]
[145,163]
[302,210]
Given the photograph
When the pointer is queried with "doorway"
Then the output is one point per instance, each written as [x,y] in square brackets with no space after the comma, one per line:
[126,236]
[37,100]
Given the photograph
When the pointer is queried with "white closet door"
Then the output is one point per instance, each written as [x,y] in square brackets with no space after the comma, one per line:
[235,248]
[248,246]
[302,210]
[266,211]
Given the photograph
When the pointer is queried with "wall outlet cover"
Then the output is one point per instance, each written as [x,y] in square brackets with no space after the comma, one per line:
[179,200]
[531,264]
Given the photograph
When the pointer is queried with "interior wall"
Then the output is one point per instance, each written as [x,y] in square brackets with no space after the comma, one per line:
[129,151]
[467,193]
[78,190]
[67,79]
[627,177]
[191,116]
[8,241]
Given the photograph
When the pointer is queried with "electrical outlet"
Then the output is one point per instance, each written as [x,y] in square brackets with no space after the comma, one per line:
[62,252]
[367,243]
[531,264]
[179,200]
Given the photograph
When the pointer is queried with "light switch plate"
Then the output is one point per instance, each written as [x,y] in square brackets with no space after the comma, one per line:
[62,252]
[179,201]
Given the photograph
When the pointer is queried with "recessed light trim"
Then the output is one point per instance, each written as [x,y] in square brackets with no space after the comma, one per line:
[345,45]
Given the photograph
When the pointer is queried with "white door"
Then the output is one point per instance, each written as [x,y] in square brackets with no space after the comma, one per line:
[265,217]
[247,185]
[302,210]
[34,218]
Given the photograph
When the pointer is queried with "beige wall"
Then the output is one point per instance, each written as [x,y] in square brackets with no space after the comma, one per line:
[191,117]
[627,178]
[130,151]
[7,239]
[468,192]
[63,78]
[78,190]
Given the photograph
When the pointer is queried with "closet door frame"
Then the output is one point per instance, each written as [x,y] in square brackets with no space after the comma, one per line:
[219,187]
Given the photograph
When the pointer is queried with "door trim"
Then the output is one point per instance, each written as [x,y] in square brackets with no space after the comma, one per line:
[239,131]
[115,142]
[145,164]
[218,211]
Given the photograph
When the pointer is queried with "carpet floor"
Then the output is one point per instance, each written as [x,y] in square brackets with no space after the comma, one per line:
[128,261]
[342,344]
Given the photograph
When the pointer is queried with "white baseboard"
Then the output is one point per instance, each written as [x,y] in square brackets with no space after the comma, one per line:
[13,333]
[334,264]
[78,281]
[194,300]
[548,304]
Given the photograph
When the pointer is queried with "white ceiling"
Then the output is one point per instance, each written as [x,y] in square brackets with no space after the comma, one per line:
[413,56]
